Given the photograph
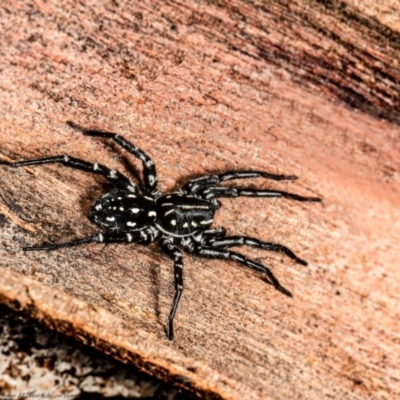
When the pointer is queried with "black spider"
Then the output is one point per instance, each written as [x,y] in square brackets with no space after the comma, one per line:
[180,220]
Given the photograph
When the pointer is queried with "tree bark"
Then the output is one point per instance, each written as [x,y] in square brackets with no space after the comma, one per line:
[306,88]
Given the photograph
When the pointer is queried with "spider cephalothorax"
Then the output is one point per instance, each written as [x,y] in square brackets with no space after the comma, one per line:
[177,221]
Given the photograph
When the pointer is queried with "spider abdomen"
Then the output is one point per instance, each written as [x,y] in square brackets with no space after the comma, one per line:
[123,211]
[180,215]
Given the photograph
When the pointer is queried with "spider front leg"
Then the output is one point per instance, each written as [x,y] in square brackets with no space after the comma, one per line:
[149,169]
[196,185]
[175,254]
[223,254]
[114,177]
[231,241]
[134,237]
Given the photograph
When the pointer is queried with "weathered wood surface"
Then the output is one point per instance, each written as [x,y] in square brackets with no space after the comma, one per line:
[206,87]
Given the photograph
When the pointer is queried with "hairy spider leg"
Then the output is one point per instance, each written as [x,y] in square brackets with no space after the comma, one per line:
[219,191]
[230,241]
[203,182]
[149,169]
[133,237]
[215,253]
[114,177]
[215,232]
[175,254]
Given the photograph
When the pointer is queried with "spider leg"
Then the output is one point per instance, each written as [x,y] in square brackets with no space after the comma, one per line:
[215,232]
[138,237]
[216,253]
[149,169]
[175,254]
[231,241]
[216,192]
[203,182]
[114,177]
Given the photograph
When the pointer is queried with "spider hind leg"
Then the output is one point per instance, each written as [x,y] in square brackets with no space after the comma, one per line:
[223,254]
[134,237]
[203,182]
[231,192]
[231,241]
[175,254]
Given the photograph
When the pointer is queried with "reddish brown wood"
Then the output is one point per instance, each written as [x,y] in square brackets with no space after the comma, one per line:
[204,88]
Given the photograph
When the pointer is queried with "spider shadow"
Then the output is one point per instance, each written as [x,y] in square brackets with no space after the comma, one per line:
[155,277]
[126,160]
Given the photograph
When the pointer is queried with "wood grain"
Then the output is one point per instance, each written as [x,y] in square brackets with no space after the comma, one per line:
[305,88]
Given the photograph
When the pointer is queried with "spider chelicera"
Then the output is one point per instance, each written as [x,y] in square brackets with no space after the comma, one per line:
[177,221]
